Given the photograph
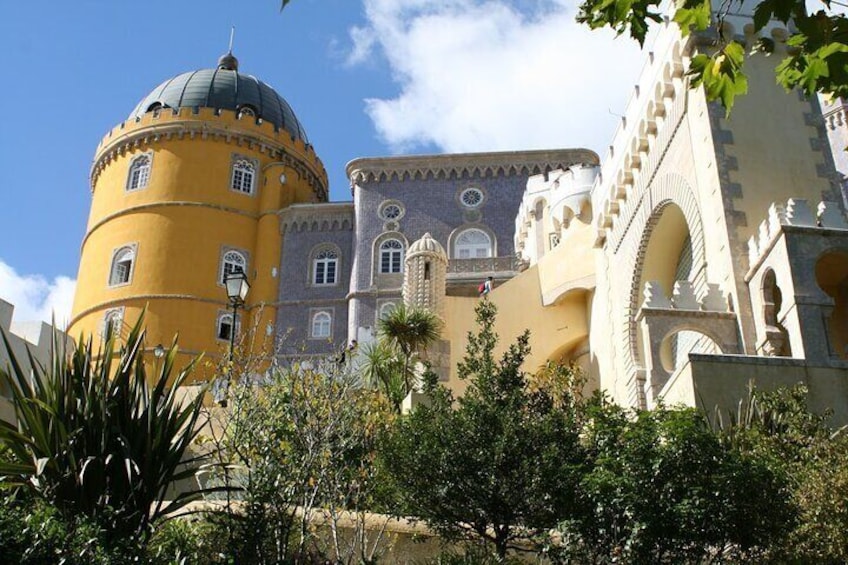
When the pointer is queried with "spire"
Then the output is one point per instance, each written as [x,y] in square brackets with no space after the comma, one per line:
[228,62]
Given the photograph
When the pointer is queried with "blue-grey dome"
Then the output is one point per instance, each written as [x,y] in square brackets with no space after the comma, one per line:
[223,88]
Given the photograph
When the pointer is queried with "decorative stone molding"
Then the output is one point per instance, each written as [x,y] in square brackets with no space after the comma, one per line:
[323,217]
[661,318]
[465,165]
[208,125]
[565,192]
[797,213]
[652,117]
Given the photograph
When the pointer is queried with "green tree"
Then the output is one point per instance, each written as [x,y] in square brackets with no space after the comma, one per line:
[93,438]
[500,466]
[305,442]
[816,59]
[664,488]
[778,427]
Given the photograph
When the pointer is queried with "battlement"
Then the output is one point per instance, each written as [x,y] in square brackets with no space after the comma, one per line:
[565,192]
[655,109]
[796,213]
[684,298]
[222,116]
[206,123]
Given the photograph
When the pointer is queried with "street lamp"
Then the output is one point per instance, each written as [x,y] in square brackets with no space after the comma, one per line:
[237,288]
[158,353]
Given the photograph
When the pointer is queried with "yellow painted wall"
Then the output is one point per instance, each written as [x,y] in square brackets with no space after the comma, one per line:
[183,220]
[554,329]
[773,166]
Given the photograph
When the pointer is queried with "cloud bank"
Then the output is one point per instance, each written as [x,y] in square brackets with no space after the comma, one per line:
[488,75]
[36,298]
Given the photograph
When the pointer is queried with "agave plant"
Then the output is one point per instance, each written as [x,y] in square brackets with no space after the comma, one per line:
[93,437]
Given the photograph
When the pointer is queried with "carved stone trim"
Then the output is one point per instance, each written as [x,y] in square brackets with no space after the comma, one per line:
[465,165]
[317,217]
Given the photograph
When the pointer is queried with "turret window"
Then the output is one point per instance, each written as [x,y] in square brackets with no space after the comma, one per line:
[225,327]
[113,321]
[122,266]
[139,172]
[322,325]
[231,262]
[244,173]
[391,256]
[325,267]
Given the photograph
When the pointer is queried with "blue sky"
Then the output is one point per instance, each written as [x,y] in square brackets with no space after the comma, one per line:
[365,77]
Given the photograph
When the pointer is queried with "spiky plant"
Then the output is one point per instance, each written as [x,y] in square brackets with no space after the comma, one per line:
[410,330]
[93,437]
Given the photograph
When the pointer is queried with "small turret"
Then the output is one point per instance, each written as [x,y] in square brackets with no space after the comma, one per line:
[425,276]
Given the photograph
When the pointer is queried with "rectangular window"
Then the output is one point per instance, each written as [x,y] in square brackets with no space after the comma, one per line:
[331,273]
[225,329]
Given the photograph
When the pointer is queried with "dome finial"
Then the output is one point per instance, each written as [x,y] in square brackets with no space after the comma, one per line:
[229,62]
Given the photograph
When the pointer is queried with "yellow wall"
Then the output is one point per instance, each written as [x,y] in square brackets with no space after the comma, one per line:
[183,220]
[554,329]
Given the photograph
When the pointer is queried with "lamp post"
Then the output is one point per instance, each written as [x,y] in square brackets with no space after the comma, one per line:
[237,288]
[158,353]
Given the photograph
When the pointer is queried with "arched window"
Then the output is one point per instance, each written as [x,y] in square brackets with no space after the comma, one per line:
[232,262]
[139,173]
[113,320]
[391,256]
[322,323]
[243,175]
[122,266]
[472,244]
[386,309]
[225,326]
[325,267]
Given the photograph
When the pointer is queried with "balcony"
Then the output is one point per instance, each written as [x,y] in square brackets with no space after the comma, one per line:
[501,268]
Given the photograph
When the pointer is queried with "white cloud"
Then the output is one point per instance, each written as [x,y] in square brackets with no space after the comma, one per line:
[35,298]
[482,75]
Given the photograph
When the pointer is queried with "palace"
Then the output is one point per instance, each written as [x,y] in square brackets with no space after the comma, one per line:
[698,254]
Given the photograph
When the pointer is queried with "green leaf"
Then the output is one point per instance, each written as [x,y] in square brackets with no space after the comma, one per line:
[693,16]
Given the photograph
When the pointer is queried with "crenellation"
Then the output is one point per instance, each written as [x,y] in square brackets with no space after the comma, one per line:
[830,215]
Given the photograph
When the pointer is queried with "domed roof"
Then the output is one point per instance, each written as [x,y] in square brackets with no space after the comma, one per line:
[223,88]
[426,245]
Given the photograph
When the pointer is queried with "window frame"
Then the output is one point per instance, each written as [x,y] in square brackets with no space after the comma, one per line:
[225,317]
[381,210]
[314,314]
[243,166]
[456,249]
[383,250]
[144,170]
[385,307]
[325,262]
[222,263]
[132,249]
[468,190]
[115,318]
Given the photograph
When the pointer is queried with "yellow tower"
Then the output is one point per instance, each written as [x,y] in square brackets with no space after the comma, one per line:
[186,190]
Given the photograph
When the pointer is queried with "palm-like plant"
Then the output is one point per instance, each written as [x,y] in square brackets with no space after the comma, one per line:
[410,331]
[93,437]
[383,369]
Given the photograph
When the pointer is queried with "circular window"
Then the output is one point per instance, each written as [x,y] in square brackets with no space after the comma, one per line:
[471,197]
[391,211]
